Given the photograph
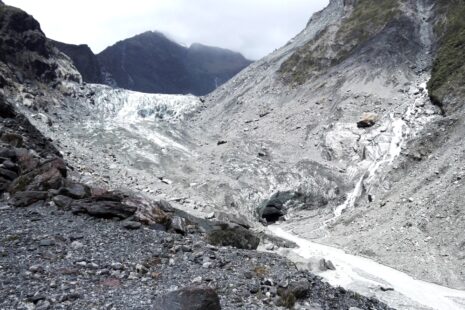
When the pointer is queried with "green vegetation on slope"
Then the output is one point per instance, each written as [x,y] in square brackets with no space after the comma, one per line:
[367,19]
[448,73]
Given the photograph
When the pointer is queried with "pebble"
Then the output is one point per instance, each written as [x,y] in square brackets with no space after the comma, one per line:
[117,266]
[77,245]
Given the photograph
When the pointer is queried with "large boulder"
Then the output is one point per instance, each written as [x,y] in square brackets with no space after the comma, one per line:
[190,299]
[103,209]
[232,218]
[151,213]
[75,191]
[224,234]
[49,175]
[25,199]
[367,120]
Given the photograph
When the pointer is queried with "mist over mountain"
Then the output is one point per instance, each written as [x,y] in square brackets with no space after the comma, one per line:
[326,175]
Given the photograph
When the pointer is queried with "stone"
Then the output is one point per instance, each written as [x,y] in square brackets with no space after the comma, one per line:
[221,142]
[152,213]
[300,289]
[117,266]
[25,199]
[224,234]
[12,139]
[75,191]
[325,265]
[131,225]
[367,120]
[232,218]
[8,174]
[178,224]
[103,209]
[63,202]
[190,299]
[76,245]
[47,242]
[49,175]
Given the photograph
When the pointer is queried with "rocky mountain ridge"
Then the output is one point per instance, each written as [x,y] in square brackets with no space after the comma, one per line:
[152,63]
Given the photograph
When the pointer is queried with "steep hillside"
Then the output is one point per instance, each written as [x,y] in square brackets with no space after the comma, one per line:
[152,63]
[84,60]
[447,88]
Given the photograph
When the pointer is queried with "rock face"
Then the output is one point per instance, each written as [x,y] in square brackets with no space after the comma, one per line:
[152,63]
[84,60]
[28,52]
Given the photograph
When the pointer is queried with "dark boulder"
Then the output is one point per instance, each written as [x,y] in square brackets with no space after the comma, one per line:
[6,110]
[8,174]
[223,234]
[63,202]
[25,199]
[189,299]
[367,120]
[75,191]
[103,209]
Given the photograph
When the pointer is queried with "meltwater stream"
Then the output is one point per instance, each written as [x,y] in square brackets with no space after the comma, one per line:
[354,272]
[362,274]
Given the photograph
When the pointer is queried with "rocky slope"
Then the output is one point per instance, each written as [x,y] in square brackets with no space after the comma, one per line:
[295,125]
[71,242]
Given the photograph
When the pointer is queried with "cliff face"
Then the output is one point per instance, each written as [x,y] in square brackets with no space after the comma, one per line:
[152,63]
[28,53]
[446,86]
[84,60]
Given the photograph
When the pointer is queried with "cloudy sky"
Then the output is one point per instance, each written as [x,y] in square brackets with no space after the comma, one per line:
[253,27]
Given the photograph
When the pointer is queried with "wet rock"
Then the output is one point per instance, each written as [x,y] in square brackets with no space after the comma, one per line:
[25,199]
[367,120]
[224,234]
[190,299]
